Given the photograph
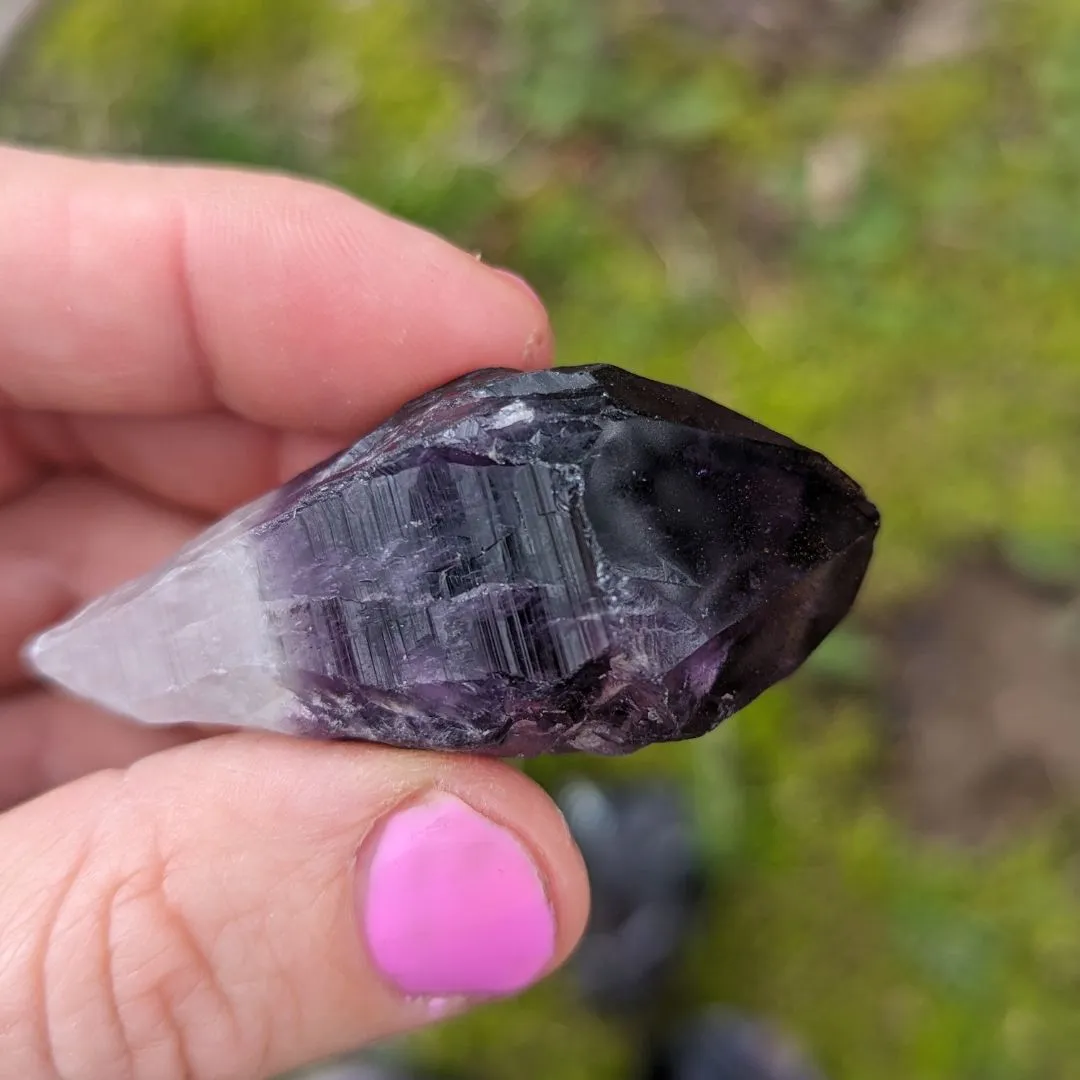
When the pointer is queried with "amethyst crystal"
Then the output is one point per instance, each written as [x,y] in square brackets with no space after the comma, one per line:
[577,559]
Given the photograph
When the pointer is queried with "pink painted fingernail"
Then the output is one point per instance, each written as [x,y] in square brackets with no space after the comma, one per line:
[452,905]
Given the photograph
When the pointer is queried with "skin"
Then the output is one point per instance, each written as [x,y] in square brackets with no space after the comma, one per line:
[174,341]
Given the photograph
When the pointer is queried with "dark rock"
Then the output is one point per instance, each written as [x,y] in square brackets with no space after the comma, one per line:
[722,1045]
[647,882]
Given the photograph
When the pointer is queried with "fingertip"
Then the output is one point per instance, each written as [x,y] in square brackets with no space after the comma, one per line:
[345,312]
[539,344]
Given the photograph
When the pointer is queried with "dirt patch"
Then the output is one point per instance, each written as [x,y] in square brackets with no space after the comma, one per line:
[985,688]
[782,36]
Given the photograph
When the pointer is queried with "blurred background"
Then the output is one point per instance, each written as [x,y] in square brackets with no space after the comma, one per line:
[859,222]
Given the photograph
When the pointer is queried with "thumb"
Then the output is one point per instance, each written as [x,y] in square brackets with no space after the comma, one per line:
[243,905]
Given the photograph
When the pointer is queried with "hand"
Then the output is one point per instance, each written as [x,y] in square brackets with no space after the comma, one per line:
[173,342]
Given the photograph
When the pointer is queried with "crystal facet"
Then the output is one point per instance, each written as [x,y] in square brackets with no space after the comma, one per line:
[516,563]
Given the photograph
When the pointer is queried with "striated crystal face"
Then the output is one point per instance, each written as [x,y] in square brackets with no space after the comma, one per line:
[577,559]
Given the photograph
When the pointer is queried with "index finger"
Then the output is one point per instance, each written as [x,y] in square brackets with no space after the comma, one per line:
[129,288]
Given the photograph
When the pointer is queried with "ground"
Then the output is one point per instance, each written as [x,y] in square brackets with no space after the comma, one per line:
[984,690]
[854,220]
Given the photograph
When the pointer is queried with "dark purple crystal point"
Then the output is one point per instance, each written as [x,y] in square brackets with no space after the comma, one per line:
[574,559]
[577,559]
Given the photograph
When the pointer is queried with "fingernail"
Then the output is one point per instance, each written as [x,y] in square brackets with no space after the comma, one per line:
[452,905]
[520,282]
[537,352]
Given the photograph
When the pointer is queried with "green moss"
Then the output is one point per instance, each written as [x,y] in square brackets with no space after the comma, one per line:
[546,1033]
[928,340]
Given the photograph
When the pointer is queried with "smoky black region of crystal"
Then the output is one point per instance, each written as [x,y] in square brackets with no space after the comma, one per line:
[576,559]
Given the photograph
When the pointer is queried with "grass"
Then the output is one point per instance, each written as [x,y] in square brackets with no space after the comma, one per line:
[652,184]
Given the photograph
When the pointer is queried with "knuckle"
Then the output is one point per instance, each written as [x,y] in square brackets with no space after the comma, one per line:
[127,980]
